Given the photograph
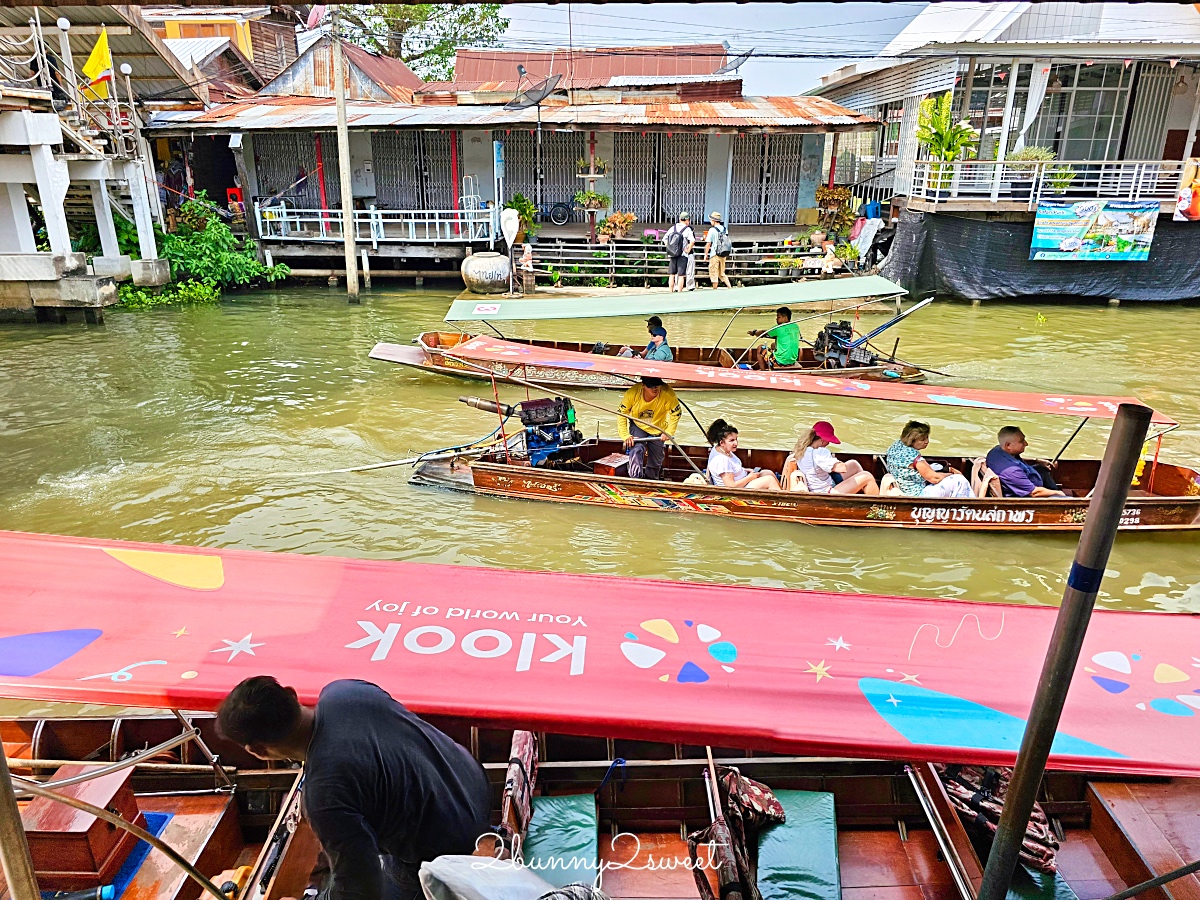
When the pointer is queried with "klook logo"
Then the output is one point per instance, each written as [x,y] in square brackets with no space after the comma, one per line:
[660,645]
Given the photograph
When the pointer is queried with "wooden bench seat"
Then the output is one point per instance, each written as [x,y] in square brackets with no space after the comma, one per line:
[1148,830]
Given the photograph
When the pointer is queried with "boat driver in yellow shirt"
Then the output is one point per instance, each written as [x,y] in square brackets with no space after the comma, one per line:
[656,410]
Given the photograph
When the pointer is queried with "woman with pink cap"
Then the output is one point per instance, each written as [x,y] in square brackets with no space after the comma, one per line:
[813,468]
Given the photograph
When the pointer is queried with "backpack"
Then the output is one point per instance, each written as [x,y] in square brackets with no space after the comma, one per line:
[674,241]
[722,245]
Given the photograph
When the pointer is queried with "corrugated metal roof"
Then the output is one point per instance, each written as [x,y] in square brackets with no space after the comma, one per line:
[596,62]
[386,71]
[157,73]
[265,113]
[196,51]
[577,83]
[158,13]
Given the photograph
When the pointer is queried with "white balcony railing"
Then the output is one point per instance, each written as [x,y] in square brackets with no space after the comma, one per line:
[373,226]
[988,181]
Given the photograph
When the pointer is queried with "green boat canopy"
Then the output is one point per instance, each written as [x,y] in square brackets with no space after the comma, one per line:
[659,303]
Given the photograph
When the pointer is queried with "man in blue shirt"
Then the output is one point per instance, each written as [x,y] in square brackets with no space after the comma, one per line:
[1018,477]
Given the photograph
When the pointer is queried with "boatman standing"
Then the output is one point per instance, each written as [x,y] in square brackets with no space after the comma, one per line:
[655,411]
[384,790]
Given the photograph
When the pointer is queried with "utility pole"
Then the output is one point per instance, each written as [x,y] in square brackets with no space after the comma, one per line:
[343,142]
[1095,543]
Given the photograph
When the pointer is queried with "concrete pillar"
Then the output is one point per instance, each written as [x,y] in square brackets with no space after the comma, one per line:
[716,177]
[52,178]
[104,220]
[16,231]
[134,176]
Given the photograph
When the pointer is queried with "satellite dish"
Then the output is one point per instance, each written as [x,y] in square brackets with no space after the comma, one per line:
[533,96]
[736,63]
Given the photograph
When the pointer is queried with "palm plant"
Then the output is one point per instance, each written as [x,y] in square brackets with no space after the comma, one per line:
[945,139]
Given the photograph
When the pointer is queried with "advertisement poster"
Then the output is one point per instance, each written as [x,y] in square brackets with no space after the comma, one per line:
[1098,230]
[1187,202]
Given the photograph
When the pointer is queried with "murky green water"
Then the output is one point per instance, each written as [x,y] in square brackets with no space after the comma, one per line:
[182,427]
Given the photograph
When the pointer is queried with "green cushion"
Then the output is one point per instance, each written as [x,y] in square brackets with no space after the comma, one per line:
[798,860]
[1029,884]
[563,841]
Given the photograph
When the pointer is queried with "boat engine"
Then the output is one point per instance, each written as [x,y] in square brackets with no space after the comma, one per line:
[830,347]
[550,433]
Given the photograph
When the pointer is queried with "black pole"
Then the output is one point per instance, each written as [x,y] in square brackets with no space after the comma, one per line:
[1091,556]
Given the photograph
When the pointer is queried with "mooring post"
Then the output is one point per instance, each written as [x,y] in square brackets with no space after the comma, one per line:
[1091,556]
[349,227]
[14,849]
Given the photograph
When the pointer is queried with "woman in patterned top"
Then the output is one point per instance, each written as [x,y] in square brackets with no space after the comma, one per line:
[917,478]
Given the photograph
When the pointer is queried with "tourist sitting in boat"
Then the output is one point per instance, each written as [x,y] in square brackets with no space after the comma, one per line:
[654,410]
[787,343]
[725,469]
[914,476]
[813,468]
[383,789]
[658,348]
[1019,477]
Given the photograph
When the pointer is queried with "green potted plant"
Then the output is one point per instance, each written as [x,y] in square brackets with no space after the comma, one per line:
[1059,178]
[527,212]
[593,200]
[1020,170]
[944,139]
[847,253]
[584,168]
[617,224]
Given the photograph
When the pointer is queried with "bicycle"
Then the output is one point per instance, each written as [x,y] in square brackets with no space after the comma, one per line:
[557,213]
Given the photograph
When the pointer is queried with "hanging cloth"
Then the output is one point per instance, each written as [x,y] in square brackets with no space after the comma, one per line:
[1038,81]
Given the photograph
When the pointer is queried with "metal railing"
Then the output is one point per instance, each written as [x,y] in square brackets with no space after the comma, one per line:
[879,187]
[281,222]
[636,264]
[989,181]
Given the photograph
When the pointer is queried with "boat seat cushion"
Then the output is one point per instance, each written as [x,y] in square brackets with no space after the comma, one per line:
[563,841]
[798,860]
[1029,884]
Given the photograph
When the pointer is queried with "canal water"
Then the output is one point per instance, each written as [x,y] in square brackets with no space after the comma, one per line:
[195,427]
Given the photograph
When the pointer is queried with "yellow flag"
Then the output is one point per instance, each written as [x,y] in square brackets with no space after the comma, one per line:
[98,70]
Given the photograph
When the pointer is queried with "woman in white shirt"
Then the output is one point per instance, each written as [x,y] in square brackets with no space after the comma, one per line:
[724,467]
[813,468]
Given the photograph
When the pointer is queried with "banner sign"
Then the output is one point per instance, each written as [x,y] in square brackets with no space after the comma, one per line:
[795,672]
[1187,202]
[1102,230]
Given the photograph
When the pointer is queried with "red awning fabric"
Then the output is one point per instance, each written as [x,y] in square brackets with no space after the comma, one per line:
[790,671]
[485,349]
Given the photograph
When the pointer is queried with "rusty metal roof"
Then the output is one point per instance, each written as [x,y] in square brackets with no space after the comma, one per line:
[485,64]
[386,71]
[578,83]
[157,72]
[267,113]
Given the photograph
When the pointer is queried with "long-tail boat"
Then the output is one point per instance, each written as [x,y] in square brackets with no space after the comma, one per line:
[846,706]
[1165,497]
[835,352]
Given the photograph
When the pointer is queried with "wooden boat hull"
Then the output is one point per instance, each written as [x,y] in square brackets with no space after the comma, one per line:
[987,514]
[893,824]
[427,354]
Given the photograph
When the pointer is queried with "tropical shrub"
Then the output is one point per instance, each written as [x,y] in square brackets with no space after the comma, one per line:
[945,139]
[204,249]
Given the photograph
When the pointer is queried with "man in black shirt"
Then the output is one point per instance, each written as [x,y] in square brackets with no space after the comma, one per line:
[383,790]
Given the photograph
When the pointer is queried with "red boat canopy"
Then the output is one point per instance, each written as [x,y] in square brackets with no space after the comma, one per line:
[484,349]
[790,671]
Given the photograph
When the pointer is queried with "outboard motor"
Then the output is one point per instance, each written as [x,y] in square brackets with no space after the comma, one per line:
[830,347]
[550,433]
